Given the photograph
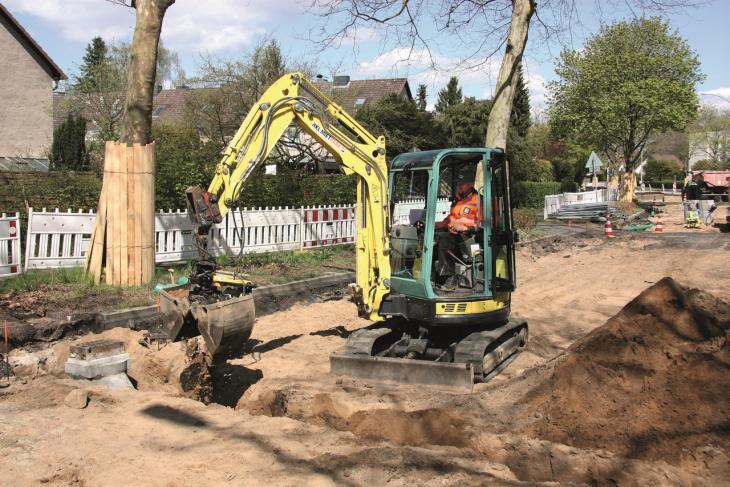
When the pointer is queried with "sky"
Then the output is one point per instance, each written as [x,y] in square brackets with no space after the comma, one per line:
[228,29]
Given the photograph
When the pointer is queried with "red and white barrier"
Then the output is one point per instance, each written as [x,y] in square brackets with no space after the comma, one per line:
[323,227]
[10,244]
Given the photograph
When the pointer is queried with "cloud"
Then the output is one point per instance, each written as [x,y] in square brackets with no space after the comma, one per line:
[719,97]
[434,70]
[79,20]
[190,26]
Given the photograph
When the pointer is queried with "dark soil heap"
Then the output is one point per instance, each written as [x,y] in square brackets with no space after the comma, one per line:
[651,383]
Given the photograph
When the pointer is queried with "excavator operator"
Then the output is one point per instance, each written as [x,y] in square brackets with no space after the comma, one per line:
[463,220]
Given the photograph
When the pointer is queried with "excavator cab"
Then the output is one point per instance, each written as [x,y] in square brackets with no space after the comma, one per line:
[432,333]
[423,189]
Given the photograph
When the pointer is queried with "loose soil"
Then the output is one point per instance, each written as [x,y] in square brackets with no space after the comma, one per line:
[606,393]
[645,384]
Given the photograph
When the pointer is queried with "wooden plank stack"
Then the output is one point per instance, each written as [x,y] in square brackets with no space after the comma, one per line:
[122,246]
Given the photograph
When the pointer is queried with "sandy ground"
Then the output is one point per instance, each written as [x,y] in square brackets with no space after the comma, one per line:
[292,424]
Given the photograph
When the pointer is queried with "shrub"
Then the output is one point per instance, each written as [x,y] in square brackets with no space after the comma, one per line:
[181,160]
[568,186]
[328,189]
[525,218]
[68,150]
[662,170]
[531,194]
[710,165]
[528,169]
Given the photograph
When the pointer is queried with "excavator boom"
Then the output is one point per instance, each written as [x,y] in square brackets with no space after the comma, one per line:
[292,100]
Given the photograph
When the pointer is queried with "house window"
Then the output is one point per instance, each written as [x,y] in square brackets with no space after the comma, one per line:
[156,112]
[360,102]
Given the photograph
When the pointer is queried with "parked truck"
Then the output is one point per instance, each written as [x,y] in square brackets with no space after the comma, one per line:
[708,185]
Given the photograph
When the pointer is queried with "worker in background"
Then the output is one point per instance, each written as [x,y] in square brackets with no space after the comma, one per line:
[463,220]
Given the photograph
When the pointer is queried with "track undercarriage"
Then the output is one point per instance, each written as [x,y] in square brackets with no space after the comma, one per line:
[408,353]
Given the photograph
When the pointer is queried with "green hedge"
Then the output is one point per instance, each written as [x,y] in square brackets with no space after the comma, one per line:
[56,189]
[568,186]
[293,189]
[328,189]
[531,194]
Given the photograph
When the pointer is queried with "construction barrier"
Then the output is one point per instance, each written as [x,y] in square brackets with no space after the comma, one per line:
[61,239]
[10,263]
[55,239]
[324,227]
[555,202]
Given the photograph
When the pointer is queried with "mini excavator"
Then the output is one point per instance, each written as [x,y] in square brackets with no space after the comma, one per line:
[422,331]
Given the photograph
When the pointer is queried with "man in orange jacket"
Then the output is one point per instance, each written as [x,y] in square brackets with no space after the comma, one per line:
[464,218]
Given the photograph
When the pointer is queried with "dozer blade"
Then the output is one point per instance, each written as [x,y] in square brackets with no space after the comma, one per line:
[225,325]
[406,371]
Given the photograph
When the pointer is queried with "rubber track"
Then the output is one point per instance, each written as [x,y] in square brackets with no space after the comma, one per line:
[472,348]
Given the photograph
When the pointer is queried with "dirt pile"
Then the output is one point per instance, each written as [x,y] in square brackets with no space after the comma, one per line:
[649,384]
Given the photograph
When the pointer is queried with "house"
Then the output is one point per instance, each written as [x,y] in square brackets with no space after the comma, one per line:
[352,95]
[27,79]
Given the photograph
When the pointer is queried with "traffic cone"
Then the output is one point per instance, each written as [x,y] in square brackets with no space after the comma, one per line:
[607,229]
[659,226]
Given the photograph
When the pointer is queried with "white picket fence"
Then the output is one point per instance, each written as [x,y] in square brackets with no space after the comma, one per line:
[9,244]
[57,239]
[554,202]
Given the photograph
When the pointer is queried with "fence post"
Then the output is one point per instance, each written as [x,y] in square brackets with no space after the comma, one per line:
[29,246]
[302,227]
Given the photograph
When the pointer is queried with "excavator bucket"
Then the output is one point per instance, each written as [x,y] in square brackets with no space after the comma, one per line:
[225,325]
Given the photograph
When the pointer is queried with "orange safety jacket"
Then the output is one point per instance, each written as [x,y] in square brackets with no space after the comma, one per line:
[465,212]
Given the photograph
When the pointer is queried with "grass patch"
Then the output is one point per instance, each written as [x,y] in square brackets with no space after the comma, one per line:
[69,288]
[41,291]
[35,279]
[282,267]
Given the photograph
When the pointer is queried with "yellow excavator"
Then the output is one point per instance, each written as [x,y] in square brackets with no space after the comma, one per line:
[423,331]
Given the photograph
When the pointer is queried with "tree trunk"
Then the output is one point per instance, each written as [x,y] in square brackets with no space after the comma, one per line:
[499,116]
[628,185]
[137,119]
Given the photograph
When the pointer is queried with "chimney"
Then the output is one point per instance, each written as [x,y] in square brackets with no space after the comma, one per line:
[341,81]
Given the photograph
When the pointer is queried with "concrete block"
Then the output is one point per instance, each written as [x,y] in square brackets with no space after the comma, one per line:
[98,367]
[116,381]
[97,349]
[304,286]
[139,318]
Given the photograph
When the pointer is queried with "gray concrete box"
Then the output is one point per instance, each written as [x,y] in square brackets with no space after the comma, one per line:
[98,367]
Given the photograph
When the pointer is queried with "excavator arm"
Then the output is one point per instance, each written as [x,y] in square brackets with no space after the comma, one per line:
[294,100]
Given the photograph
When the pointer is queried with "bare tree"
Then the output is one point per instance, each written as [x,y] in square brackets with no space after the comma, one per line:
[137,119]
[476,30]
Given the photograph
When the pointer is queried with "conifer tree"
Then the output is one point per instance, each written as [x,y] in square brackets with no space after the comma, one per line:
[421,98]
[520,117]
[94,62]
[68,150]
[449,96]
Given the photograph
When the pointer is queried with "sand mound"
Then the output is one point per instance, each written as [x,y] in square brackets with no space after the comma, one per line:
[648,383]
